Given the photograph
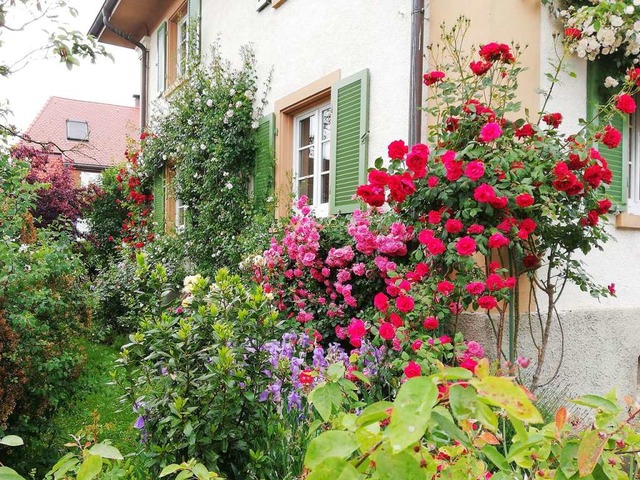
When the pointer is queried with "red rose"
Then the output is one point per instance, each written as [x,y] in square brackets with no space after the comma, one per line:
[528,225]
[496,51]
[306,377]
[552,119]
[356,329]
[445,287]
[497,240]
[484,193]
[525,130]
[625,103]
[611,137]
[430,323]
[421,150]
[378,178]
[499,202]
[475,288]
[371,195]
[530,261]
[433,77]
[434,217]
[475,229]
[453,225]
[444,339]
[466,246]
[573,33]
[415,162]
[417,345]
[435,246]
[474,170]
[469,363]
[412,370]
[593,175]
[425,236]
[397,149]
[454,169]
[480,68]
[381,302]
[490,132]
[405,303]
[524,200]
[396,320]
[432,182]
[488,302]
[604,206]
[451,124]
[387,331]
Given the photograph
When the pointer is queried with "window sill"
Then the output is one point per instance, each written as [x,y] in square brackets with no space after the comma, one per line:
[170,90]
[628,221]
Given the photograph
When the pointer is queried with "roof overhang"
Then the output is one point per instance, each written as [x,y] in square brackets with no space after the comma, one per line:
[137,18]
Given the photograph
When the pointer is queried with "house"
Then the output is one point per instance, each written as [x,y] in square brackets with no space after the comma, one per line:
[90,136]
[354,65]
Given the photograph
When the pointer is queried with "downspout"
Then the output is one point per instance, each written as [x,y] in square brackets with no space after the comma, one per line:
[145,66]
[415,83]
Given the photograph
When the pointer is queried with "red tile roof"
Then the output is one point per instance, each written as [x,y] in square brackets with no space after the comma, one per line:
[109,126]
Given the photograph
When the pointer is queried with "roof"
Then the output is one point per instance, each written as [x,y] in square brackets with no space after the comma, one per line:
[132,18]
[109,126]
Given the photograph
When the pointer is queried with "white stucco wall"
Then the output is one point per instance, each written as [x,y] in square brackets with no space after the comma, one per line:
[303,41]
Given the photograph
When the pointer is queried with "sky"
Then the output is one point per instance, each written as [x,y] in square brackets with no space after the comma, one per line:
[28,89]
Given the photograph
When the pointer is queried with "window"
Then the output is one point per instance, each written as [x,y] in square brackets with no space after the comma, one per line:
[633,203]
[77,130]
[181,215]
[88,178]
[182,38]
[312,157]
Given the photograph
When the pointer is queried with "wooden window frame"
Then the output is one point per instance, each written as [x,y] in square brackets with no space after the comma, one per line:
[286,109]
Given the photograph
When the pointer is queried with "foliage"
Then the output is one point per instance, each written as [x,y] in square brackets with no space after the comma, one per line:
[600,29]
[207,134]
[194,375]
[106,214]
[58,201]
[451,425]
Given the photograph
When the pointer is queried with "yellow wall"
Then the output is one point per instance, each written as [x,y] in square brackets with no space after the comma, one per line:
[501,21]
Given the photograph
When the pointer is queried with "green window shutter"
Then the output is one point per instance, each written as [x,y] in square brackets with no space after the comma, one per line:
[617,158]
[264,175]
[350,131]
[161,38]
[193,10]
[158,201]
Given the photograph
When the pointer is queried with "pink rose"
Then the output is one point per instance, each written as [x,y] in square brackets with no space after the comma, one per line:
[474,170]
[490,132]
[466,246]
[412,370]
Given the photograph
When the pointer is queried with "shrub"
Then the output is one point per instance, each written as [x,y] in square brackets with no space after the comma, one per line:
[194,375]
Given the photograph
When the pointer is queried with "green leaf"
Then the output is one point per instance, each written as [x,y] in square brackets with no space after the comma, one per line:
[569,458]
[589,451]
[324,397]
[595,401]
[7,473]
[503,393]
[11,441]
[183,475]
[332,443]
[401,466]
[486,416]
[169,469]
[335,469]
[451,429]
[106,451]
[200,471]
[335,371]
[375,412]
[495,457]
[463,401]
[90,468]
[411,412]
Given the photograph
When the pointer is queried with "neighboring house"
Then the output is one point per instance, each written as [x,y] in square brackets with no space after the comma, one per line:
[90,136]
[341,76]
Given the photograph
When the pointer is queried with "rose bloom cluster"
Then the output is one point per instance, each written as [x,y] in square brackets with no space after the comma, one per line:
[602,29]
[136,229]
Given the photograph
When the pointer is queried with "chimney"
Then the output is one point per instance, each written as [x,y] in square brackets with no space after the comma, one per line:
[136,100]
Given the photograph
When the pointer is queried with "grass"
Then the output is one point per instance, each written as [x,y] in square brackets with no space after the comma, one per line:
[95,399]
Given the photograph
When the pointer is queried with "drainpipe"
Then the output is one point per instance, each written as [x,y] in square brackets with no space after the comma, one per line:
[145,66]
[415,83]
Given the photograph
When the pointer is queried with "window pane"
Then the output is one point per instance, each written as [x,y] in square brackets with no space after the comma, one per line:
[326,123]
[308,128]
[326,156]
[305,187]
[77,130]
[305,163]
[324,195]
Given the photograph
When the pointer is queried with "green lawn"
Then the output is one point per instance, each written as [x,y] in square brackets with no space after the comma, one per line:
[95,396]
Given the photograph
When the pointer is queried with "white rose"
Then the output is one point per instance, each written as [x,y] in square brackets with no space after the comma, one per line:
[616,21]
[636,3]
[229,113]
[229,185]
[203,146]
[629,10]
[249,94]
[232,91]
[610,82]
[209,103]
